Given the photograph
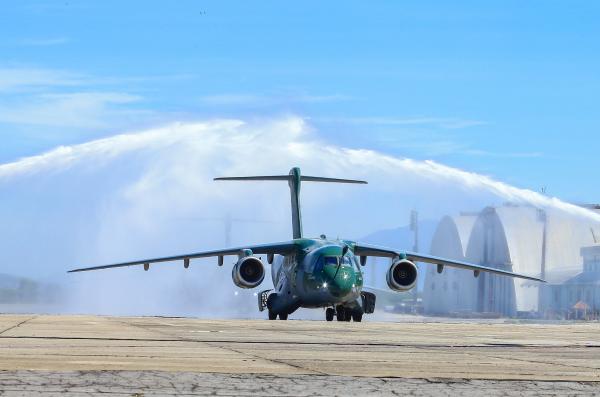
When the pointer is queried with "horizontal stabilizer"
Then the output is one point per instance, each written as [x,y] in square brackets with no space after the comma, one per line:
[254,178]
[294,180]
[334,180]
[303,178]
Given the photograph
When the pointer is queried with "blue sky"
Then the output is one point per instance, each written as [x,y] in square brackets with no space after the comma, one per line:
[505,89]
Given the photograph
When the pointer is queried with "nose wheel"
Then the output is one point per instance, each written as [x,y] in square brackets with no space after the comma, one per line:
[344,314]
[347,315]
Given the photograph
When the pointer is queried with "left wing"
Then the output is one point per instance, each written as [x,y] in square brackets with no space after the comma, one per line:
[372,250]
[269,249]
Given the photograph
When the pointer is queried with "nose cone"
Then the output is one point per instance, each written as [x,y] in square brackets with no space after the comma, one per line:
[340,284]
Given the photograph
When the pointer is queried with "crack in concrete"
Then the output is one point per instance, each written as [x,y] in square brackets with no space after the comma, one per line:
[312,371]
[215,344]
[305,343]
[130,383]
[17,325]
[510,358]
[542,362]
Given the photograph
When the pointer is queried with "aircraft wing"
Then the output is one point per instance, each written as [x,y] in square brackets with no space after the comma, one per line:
[372,250]
[380,291]
[274,248]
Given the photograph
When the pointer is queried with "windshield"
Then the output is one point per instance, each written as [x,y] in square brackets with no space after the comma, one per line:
[332,260]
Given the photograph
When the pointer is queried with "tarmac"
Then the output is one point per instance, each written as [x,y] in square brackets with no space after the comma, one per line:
[89,355]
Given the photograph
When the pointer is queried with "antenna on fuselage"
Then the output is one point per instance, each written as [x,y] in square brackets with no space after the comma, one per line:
[294,179]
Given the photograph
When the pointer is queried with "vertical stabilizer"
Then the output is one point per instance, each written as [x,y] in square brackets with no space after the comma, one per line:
[295,182]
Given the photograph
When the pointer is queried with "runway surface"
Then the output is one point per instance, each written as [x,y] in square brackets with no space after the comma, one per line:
[151,355]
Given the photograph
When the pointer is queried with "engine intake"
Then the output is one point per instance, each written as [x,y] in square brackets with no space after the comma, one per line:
[248,272]
[402,275]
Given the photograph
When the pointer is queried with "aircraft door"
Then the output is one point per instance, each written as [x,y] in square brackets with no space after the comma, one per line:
[276,269]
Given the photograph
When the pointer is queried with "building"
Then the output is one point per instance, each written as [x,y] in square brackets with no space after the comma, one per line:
[518,238]
[578,296]
[452,292]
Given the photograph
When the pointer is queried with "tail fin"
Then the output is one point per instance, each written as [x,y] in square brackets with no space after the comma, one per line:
[294,180]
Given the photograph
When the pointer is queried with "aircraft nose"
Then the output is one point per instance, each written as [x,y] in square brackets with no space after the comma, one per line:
[342,283]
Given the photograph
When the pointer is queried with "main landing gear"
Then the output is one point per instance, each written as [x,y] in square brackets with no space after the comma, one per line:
[354,311]
[344,314]
[263,303]
[329,313]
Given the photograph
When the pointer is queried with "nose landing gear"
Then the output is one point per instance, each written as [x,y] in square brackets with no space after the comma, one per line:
[357,315]
[344,314]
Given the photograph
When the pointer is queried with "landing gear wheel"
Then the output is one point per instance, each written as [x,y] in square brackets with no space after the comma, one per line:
[283,316]
[340,313]
[329,313]
[348,315]
[272,316]
[357,316]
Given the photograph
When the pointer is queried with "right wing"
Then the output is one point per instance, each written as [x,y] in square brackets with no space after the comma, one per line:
[282,248]
[384,252]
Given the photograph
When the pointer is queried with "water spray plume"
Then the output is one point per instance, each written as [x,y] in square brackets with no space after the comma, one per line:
[286,141]
[133,195]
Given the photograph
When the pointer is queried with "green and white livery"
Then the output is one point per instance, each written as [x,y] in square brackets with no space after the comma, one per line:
[315,272]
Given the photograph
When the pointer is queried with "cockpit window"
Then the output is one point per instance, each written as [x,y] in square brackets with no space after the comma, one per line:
[346,261]
[331,260]
[322,261]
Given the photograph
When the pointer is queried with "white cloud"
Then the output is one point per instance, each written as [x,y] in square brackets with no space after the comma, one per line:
[55,98]
[487,153]
[89,110]
[233,99]
[321,98]
[427,137]
[46,104]
[443,122]
[261,100]
[19,79]
[434,145]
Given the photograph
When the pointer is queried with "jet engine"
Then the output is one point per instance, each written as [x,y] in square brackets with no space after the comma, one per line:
[248,272]
[402,275]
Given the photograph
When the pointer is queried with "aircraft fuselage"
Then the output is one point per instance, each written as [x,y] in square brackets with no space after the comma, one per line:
[316,275]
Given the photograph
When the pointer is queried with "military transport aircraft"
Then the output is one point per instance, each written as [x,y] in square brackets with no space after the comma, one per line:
[315,272]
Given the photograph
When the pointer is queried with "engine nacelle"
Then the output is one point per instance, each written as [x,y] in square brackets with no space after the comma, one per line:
[248,272]
[402,275]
